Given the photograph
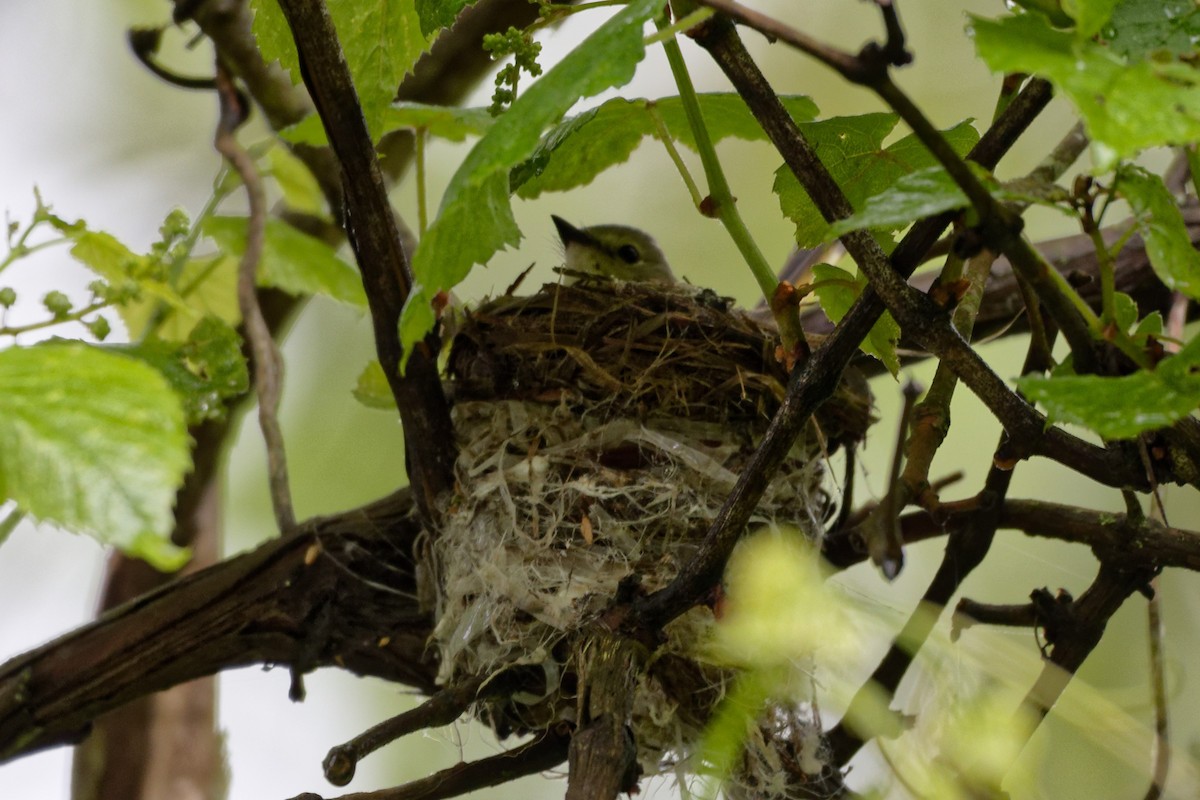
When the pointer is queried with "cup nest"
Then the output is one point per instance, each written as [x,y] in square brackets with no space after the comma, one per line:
[600,427]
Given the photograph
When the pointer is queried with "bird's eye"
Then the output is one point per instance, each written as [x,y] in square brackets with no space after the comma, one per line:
[629,254]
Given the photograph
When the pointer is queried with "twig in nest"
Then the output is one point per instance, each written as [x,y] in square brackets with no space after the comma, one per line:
[268,366]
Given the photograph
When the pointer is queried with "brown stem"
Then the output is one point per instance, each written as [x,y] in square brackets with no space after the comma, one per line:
[546,752]
[266,362]
[375,239]
[317,598]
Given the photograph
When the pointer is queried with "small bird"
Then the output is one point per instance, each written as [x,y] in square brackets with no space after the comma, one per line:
[615,251]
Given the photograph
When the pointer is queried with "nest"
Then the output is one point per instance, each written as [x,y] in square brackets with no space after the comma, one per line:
[601,426]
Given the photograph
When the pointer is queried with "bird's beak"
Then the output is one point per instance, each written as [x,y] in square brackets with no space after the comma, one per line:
[569,233]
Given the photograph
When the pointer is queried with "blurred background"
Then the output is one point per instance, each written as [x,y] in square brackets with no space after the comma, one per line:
[107,142]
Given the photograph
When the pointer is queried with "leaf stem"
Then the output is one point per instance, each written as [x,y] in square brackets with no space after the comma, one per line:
[74,316]
[720,195]
[664,136]
[421,134]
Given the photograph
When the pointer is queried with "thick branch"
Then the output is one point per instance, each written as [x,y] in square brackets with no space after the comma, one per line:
[324,596]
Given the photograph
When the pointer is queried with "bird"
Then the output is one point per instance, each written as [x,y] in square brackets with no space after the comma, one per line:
[613,251]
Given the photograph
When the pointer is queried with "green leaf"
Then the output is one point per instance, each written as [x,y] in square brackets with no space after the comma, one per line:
[300,189]
[206,371]
[851,148]
[475,219]
[578,149]
[95,442]
[381,41]
[923,193]
[1115,408]
[105,255]
[837,290]
[1121,408]
[209,287]
[1160,222]
[437,14]
[274,37]
[291,260]
[1141,27]
[373,390]
[1126,107]
[444,122]
[1089,15]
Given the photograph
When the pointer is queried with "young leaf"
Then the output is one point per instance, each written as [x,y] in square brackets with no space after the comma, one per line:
[109,258]
[95,442]
[1160,222]
[475,219]
[837,290]
[372,389]
[578,149]
[300,189]
[851,148]
[292,261]
[1127,107]
[206,371]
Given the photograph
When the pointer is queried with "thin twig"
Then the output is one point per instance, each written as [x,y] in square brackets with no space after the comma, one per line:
[546,752]
[442,709]
[917,314]
[268,366]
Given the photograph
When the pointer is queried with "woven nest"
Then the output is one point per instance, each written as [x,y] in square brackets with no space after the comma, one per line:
[601,426]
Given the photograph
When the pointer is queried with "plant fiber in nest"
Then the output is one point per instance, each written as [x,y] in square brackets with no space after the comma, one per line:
[601,425]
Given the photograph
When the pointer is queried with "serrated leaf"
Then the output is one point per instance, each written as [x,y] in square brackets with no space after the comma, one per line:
[1126,106]
[851,148]
[1115,408]
[837,290]
[105,255]
[291,260]
[206,371]
[475,219]
[437,14]
[274,37]
[381,41]
[1140,27]
[372,389]
[578,149]
[95,442]
[1160,222]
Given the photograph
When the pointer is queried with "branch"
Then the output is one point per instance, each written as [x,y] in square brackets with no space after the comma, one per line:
[318,598]
[917,314]
[265,359]
[543,753]
[375,239]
